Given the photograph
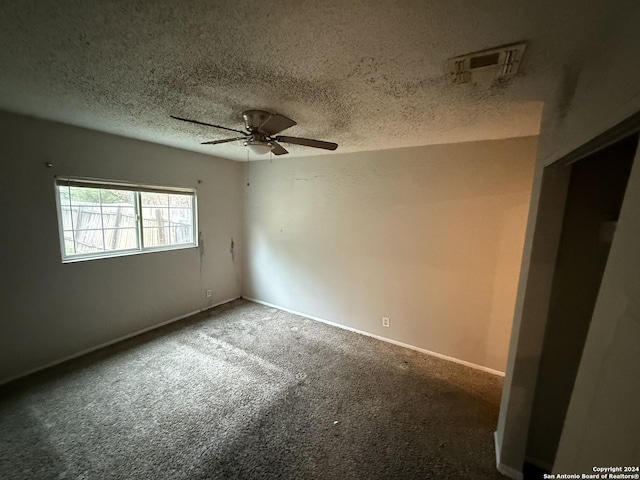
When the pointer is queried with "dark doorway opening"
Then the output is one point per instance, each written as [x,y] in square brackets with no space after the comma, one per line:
[594,199]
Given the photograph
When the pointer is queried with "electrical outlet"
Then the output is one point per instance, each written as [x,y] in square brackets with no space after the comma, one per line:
[209,293]
[385,322]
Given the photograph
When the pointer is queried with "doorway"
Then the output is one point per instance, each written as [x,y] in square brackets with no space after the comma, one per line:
[597,185]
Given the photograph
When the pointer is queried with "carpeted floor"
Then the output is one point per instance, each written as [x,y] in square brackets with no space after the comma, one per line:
[245,391]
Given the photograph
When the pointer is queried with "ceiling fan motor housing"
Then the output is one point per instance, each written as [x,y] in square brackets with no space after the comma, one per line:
[258,143]
[254,119]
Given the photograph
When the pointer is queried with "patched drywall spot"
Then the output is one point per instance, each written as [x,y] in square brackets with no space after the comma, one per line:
[308,179]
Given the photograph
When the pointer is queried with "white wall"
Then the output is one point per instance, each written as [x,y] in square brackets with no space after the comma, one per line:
[48,310]
[599,89]
[429,236]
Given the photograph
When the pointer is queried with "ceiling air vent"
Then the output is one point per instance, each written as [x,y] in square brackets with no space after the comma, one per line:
[486,66]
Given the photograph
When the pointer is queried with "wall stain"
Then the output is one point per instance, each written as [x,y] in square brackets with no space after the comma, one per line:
[568,85]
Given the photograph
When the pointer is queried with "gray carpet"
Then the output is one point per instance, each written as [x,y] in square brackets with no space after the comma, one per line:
[245,391]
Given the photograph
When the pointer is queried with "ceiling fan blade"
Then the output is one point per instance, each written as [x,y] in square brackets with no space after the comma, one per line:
[209,125]
[278,149]
[216,142]
[276,123]
[307,142]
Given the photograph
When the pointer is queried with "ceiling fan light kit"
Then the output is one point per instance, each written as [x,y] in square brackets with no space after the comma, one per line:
[260,135]
[257,147]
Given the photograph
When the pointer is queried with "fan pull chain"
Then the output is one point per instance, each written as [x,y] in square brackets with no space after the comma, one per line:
[248,183]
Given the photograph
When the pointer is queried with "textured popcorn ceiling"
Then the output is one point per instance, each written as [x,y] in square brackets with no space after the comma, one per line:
[365,74]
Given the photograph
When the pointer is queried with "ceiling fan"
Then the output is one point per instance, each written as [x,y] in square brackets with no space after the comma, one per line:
[261,129]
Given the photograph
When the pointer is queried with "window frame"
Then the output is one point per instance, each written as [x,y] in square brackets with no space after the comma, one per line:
[137,189]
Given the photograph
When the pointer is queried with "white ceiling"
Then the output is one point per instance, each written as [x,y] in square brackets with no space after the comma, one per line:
[365,74]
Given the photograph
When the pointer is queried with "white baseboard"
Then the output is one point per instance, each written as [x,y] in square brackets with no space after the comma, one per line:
[111,342]
[384,339]
[504,469]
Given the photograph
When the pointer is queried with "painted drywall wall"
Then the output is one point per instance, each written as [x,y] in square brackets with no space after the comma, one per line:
[429,236]
[541,241]
[593,93]
[51,310]
[591,97]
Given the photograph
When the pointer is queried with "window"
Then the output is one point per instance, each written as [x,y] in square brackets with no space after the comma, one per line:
[100,219]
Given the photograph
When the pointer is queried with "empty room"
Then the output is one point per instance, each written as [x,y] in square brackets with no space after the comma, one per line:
[323,240]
